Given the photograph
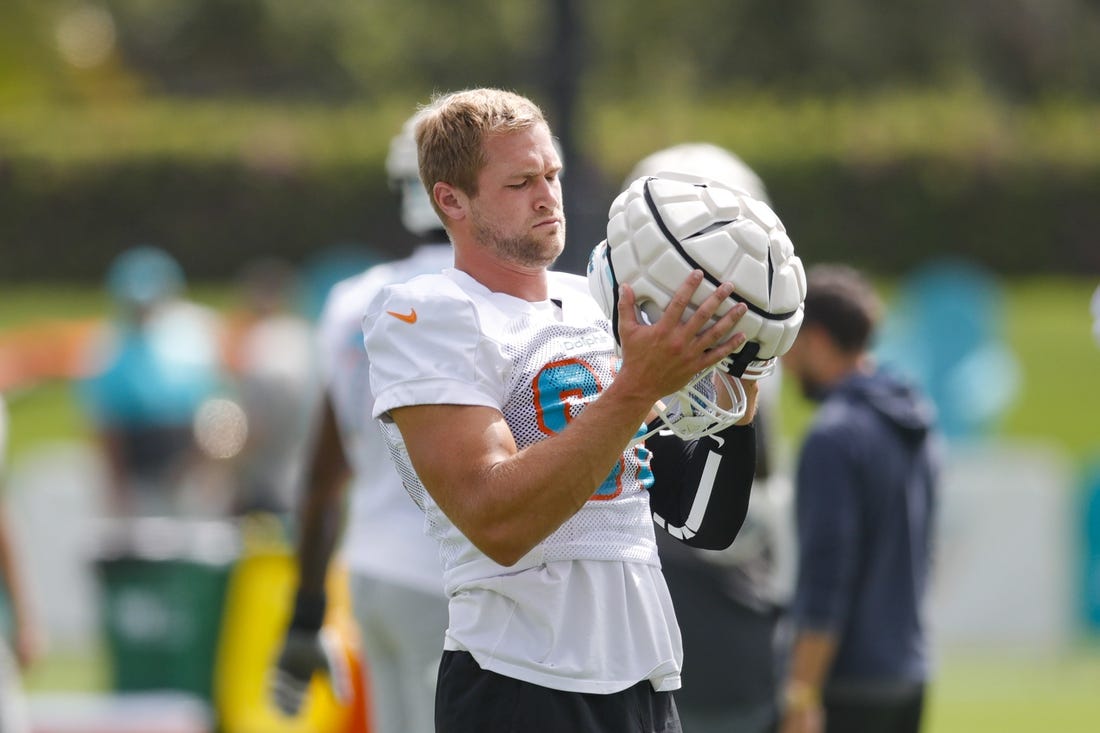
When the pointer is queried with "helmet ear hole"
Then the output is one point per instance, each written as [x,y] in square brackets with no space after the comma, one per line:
[650,312]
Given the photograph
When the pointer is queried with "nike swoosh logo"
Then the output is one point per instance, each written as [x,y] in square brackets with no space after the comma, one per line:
[409,317]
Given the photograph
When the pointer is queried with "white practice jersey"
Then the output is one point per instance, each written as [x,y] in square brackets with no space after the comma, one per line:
[385,536]
[586,610]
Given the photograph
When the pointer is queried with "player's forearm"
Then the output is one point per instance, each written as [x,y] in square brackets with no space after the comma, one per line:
[17,592]
[320,514]
[811,657]
[524,497]
[319,529]
[752,391]
[9,572]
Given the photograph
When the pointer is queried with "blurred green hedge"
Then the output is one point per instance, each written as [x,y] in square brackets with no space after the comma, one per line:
[67,223]
[1031,219]
[883,183]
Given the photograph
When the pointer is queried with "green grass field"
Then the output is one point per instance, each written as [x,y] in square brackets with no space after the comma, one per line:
[1048,325]
[972,693]
[1006,693]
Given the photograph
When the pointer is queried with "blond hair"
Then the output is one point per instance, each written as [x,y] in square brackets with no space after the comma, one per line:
[452,129]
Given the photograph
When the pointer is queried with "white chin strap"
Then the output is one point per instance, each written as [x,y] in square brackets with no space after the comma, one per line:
[693,411]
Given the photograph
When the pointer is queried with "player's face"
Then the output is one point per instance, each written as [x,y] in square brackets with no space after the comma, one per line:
[799,363]
[517,212]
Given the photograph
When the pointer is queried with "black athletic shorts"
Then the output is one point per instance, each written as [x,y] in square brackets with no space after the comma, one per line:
[470,700]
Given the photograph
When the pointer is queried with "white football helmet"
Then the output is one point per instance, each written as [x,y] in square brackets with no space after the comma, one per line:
[403,171]
[705,160]
[660,229]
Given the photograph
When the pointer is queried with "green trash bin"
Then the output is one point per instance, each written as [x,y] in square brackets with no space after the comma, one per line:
[163,586]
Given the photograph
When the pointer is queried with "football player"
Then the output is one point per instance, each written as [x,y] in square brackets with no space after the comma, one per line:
[512,420]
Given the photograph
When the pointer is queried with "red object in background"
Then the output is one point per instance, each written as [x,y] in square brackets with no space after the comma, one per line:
[43,351]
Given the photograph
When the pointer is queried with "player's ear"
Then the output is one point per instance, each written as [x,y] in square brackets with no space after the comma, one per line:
[452,201]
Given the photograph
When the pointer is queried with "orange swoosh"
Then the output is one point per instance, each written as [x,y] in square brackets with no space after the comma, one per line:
[409,317]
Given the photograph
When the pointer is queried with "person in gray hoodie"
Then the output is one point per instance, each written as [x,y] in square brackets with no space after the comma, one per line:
[865,488]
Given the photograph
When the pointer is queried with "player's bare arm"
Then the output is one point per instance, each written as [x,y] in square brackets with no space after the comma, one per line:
[507,500]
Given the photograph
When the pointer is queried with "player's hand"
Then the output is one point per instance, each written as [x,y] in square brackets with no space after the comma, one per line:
[303,654]
[667,354]
[803,711]
[28,644]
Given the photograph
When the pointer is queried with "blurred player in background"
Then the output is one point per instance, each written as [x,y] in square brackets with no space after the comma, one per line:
[151,367]
[271,358]
[497,386]
[22,630]
[730,602]
[865,498]
[395,574]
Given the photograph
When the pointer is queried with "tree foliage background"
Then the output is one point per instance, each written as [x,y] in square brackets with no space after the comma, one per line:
[340,50]
[614,76]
